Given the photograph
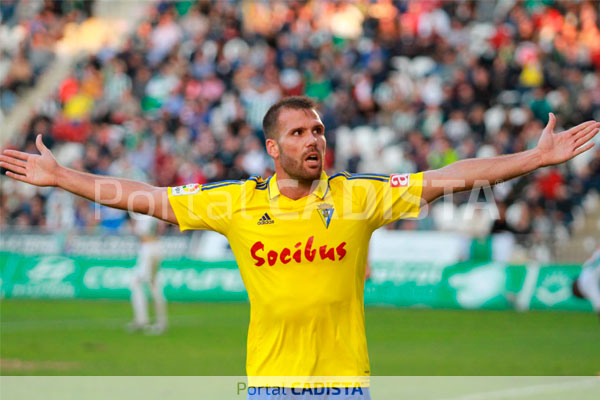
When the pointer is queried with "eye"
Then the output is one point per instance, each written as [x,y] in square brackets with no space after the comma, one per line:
[296,132]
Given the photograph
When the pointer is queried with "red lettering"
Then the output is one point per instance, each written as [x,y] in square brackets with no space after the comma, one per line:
[298,256]
[285,255]
[324,252]
[341,251]
[308,253]
[272,257]
[255,248]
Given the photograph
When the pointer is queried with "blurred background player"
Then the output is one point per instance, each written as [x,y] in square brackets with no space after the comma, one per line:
[146,273]
[587,285]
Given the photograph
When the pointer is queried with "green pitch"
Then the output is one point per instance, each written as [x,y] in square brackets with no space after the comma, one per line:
[88,338]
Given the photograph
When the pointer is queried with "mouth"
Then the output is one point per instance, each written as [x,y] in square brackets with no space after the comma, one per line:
[313,160]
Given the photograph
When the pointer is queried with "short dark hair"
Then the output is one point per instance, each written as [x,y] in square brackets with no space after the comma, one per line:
[293,102]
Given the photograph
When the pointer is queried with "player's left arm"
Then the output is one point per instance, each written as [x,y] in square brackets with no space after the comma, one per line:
[552,148]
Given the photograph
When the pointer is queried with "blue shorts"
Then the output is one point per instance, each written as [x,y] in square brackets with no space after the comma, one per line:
[285,393]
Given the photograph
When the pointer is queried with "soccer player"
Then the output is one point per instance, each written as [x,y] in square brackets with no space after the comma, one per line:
[146,273]
[301,237]
[587,285]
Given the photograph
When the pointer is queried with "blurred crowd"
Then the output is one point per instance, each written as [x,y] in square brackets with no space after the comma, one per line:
[422,83]
[28,32]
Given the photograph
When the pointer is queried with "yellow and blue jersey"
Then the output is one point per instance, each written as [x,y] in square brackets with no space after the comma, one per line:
[302,262]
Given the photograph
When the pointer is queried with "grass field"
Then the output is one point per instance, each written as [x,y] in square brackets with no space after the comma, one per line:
[88,338]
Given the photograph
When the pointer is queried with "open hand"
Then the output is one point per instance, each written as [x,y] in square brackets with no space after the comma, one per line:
[39,170]
[560,147]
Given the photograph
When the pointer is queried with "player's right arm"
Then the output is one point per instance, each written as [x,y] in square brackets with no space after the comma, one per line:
[43,170]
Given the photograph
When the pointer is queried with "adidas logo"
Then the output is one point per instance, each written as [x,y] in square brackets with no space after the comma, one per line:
[265,220]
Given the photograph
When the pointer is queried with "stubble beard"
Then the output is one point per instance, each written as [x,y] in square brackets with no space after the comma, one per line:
[295,170]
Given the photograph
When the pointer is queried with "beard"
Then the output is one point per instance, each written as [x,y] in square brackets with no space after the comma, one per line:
[296,169]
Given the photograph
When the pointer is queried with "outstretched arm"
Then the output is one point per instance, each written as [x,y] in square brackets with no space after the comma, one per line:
[43,170]
[551,149]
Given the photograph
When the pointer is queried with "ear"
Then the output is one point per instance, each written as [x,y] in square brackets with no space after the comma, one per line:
[272,148]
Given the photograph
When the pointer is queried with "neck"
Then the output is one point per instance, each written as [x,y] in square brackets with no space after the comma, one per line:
[297,192]
[294,188]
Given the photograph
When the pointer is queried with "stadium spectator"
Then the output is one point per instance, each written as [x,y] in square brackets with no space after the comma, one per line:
[448,81]
[28,33]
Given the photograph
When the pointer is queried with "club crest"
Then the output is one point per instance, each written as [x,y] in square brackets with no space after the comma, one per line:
[325,212]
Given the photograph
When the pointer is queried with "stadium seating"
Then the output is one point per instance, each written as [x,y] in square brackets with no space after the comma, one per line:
[28,34]
[182,100]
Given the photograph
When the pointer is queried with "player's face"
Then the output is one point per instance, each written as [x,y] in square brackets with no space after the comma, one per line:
[301,144]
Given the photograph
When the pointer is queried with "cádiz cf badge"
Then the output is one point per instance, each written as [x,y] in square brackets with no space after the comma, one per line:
[325,212]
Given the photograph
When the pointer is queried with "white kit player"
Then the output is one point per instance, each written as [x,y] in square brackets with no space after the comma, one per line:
[587,285]
[146,273]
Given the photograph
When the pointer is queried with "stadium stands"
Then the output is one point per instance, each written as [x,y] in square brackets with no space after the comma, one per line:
[28,33]
[404,86]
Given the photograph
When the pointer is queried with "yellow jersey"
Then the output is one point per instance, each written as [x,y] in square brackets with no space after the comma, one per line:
[302,262]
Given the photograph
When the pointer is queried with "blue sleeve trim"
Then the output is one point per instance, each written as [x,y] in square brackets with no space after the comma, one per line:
[221,184]
[374,177]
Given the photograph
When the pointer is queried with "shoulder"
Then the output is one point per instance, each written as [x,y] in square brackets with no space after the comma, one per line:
[340,178]
[246,189]
[395,180]
[357,186]
[594,260]
[230,186]
[254,182]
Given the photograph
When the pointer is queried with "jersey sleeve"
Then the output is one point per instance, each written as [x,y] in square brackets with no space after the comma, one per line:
[204,206]
[397,197]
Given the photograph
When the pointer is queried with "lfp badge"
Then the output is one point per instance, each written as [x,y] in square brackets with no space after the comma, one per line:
[191,188]
[325,212]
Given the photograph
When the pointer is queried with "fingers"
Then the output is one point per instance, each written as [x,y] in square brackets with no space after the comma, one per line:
[17,177]
[13,164]
[14,168]
[551,122]
[17,154]
[578,128]
[12,160]
[583,149]
[586,128]
[40,144]
[585,136]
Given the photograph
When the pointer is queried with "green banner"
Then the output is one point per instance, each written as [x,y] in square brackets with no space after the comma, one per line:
[474,285]
[466,285]
[79,277]
[553,289]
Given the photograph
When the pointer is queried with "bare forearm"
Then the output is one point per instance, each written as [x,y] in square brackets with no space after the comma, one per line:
[494,169]
[466,174]
[119,193]
[43,170]
[109,191]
